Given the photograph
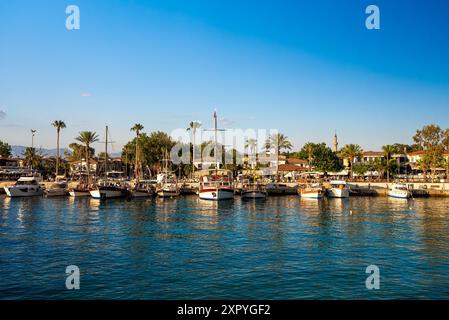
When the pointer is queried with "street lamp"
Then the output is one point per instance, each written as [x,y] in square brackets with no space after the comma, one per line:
[33,132]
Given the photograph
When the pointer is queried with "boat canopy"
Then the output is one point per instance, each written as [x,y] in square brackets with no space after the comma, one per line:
[27,179]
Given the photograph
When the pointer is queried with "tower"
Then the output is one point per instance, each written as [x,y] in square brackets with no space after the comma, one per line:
[335,143]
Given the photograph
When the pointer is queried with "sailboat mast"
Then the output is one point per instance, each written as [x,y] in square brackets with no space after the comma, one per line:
[106,151]
[216,146]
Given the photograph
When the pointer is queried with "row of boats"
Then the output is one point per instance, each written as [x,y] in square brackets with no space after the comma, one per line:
[210,188]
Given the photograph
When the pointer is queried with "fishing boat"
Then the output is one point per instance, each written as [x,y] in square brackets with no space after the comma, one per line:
[107,189]
[81,190]
[276,188]
[400,191]
[253,191]
[216,186]
[312,191]
[25,187]
[338,189]
[188,189]
[57,189]
[113,185]
[144,189]
[167,181]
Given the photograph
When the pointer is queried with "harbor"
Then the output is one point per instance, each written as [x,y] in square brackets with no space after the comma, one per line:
[187,248]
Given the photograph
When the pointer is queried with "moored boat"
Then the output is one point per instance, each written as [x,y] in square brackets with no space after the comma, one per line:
[312,191]
[252,190]
[144,189]
[399,191]
[25,187]
[106,189]
[216,188]
[338,189]
[57,189]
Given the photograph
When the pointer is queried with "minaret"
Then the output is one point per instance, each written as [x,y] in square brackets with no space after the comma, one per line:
[335,143]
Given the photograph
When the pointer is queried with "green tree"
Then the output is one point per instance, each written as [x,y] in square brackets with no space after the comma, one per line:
[278,142]
[137,128]
[251,146]
[389,152]
[361,168]
[33,158]
[77,152]
[351,152]
[87,138]
[152,148]
[58,124]
[431,139]
[193,126]
[321,157]
[5,150]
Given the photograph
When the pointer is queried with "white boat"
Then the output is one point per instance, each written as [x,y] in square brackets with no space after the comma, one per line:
[109,190]
[81,190]
[58,189]
[313,191]
[144,189]
[25,187]
[253,191]
[167,183]
[338,189]
[399,190]
[114,184]
[216,188]
[168,190]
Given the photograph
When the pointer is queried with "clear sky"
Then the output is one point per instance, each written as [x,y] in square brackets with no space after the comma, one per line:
[307,68]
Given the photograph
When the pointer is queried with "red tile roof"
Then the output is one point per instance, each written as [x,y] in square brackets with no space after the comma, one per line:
[291,167]
[373,154]
[295,161]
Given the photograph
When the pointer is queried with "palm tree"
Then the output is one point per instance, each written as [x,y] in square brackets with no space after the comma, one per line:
[137,128]
[193,126]
[351,152]
[87,138]
[251,144]
[58,124]
[32,158]
[279,142]
[389,151]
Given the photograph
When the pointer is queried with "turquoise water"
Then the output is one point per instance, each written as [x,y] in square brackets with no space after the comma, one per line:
[280,248]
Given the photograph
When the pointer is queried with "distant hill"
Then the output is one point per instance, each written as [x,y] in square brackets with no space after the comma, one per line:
[17,151]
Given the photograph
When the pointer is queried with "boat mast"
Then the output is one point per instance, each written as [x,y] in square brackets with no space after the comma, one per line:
[106,155]
[216,147]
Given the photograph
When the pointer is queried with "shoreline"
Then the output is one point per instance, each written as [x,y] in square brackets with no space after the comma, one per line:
[358,189]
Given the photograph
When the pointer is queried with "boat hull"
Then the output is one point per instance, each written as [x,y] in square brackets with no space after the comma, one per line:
[254,194]
[56,193]
[142,194]
[312,195]
[216,194]
[399,195]
[167,193]
[338,193]
[79,193]
[23,191]
[108,193]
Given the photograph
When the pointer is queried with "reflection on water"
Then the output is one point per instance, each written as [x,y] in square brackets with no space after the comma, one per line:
[281,247]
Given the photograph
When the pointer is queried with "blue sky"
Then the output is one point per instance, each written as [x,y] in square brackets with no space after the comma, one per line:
[307,68]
